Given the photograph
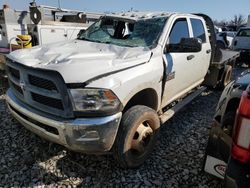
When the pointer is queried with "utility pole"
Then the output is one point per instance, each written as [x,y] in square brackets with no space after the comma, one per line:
[59,4]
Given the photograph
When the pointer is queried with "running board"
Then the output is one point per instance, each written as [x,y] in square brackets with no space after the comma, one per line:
[169,113]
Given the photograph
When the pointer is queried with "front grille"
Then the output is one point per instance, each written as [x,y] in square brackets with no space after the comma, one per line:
[40,89]
[42,83]
[17,88]
[15,73]
[54,103]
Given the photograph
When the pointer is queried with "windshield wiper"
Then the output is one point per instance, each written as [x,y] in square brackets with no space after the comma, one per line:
[107,42]
[83,38]
[127,45]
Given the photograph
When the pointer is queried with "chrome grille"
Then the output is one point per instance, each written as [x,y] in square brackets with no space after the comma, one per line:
[14,72]
[42,83]
[54,103]
[41,89]
[17,88]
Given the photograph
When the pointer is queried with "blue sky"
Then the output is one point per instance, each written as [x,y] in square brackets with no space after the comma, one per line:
[217,9]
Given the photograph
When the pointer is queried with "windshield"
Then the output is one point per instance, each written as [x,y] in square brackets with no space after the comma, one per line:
[244,33]
[142,33]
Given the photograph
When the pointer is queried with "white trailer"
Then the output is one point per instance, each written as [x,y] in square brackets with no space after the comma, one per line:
[12,23]
[52,24]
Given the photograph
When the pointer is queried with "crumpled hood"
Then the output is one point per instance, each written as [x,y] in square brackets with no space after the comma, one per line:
[78,61]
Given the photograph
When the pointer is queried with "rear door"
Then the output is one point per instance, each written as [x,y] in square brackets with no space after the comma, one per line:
[202,59]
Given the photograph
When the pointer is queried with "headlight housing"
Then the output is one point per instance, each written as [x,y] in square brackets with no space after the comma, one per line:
[95,101]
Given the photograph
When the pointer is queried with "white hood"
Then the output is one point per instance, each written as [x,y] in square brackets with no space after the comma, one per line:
[78,61]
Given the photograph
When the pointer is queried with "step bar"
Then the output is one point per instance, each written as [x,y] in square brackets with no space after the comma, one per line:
[169,113]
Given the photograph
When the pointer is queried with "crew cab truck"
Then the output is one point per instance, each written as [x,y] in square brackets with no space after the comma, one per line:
[112,88]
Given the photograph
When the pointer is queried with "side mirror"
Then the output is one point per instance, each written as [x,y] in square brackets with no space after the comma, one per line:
[185,45]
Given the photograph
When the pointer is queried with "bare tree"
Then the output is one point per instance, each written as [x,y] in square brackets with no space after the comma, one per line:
[238,20]
[221,23]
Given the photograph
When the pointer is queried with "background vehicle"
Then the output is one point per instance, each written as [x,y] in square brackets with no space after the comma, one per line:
[12,23]
[38,26]
[225,39]
[230,130]
[241,43]
[112,88]
[52,24]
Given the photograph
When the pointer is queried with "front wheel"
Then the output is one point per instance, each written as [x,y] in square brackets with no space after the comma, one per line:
[136,137]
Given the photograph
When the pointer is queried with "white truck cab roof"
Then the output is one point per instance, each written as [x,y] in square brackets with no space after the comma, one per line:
[143,15]
[139,15]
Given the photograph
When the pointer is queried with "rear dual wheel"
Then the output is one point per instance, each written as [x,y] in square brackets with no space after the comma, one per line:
[228,122]
[136,137]
[226,77]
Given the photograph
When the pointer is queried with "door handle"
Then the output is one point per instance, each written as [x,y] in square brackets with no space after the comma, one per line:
[208,51]
[190,57]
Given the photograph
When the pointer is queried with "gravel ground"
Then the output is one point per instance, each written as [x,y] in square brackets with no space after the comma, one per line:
[27,160]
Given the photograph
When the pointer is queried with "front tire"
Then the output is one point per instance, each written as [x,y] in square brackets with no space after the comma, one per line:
[136,137]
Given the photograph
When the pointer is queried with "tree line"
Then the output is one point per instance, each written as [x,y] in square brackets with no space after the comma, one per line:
[237,21]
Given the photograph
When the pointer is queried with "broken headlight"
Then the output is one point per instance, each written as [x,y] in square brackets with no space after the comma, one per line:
[100,101]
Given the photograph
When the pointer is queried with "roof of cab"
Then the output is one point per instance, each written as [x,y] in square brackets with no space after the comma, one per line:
[139,15]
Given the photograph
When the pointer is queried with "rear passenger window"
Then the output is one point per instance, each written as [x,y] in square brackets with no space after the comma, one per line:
[198,29]
[179,31]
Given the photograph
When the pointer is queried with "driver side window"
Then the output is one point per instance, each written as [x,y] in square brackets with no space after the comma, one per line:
[179,31]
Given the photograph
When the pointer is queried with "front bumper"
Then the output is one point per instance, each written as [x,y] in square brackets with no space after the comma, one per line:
[87,135]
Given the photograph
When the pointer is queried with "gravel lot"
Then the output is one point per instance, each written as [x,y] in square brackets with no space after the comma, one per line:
[27,160]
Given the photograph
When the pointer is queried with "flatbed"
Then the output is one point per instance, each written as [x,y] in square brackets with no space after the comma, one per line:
[228,56]
[220,70]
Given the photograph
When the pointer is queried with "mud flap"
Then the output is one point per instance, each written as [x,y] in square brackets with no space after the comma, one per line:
[215,167]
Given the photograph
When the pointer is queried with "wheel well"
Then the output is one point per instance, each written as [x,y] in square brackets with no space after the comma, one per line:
[218,118]
[221,72]
[232,105]
[147,97]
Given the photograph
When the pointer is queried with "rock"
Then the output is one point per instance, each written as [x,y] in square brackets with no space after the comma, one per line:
[157,182]
[88,179]
[186,177]
[123,179]
[147,183]
[186,171]
[139,175]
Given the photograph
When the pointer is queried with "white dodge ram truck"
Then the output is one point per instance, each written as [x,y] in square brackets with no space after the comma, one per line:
[111,88]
